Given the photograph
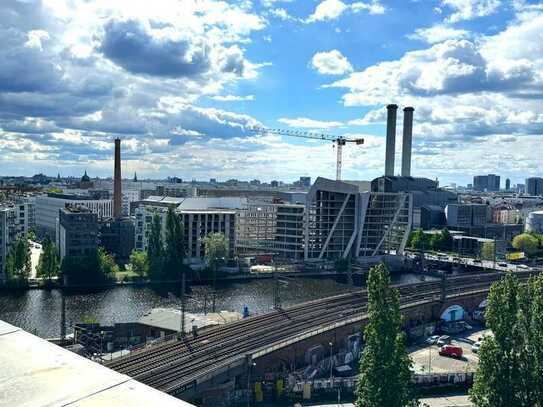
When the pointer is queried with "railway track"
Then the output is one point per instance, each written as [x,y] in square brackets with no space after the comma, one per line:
[170,366]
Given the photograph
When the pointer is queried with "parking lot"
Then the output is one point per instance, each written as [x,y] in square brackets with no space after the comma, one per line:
[426,358]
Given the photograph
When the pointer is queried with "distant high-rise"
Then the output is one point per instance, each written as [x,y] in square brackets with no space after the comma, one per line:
[117,187]
[507,184]
[534,186]
[135,177]
[305,182]
[490,183]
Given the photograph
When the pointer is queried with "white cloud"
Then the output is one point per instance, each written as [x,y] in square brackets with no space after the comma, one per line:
[438,33]
[373,7]
[35,38]
[281,14]
[331,63]
[306,123]
[270,3]
[233,98]
[332,9]
[477,103]
[327,10]
[470,9]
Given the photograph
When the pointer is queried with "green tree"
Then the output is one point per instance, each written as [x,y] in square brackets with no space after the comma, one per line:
[435,242]
[18,261]
[526,243]
[446,240]
[216,251]
[139,263]
[385,375]
[155,249]
[94,269]
[498,377]
[106,263]
[32,235]
[418,240]
[54,190]
[174,251]
[48,265]
[487,251]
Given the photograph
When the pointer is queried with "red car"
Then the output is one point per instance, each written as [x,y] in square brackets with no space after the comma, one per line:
[451,351]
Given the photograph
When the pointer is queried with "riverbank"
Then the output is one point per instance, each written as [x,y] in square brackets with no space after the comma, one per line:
[238,277]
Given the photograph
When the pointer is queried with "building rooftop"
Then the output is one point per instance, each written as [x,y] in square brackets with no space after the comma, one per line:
[169,318]
[201,203]
[38,373]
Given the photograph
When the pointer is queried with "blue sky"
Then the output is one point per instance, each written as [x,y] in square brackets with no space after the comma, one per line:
[182,81]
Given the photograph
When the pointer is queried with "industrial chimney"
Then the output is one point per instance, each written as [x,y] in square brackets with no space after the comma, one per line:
[407,141]
[117,192]
[391,140]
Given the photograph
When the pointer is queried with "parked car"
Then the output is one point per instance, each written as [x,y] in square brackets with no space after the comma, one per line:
[475,347]
[477,261]
[432,340]
[451,351]
[523,266]
[502,264]
[444,340]
[479,315]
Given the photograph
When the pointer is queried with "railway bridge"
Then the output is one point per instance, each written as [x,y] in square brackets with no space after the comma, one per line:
[191,365]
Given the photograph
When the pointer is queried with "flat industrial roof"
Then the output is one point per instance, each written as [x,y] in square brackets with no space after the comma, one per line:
[38,373]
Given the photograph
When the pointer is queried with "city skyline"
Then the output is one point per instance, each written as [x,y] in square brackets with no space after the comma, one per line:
[181,84]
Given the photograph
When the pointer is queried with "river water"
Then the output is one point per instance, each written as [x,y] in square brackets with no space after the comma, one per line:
[38,311]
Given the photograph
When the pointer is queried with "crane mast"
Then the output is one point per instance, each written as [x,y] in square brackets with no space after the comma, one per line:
[338,141]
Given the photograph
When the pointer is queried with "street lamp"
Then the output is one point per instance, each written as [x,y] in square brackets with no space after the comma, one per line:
[331,362]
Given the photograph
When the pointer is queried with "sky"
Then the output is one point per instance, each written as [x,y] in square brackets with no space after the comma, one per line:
[184,82]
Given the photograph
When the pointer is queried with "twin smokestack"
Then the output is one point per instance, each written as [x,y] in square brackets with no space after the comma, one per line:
[391,140]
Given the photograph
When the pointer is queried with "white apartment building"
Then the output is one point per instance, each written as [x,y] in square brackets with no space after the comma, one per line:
[15,219]
[128,196]
[197,224]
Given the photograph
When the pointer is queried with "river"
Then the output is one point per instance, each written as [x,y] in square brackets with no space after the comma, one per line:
[38,311]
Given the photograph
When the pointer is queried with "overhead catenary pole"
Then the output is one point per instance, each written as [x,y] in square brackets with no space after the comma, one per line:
[182,333]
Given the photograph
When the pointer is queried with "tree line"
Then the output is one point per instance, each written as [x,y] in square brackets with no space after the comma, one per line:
[530,243]
[441,241]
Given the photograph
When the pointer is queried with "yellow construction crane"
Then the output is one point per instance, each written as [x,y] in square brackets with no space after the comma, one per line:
[338,141]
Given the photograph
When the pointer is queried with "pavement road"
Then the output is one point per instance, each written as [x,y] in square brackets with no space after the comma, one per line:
[426,357]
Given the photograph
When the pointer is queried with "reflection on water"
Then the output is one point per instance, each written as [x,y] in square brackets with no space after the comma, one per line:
[38,311]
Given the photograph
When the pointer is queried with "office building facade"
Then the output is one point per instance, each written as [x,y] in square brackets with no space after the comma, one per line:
[48,206]
[466,215]
[488,183]
[342,222]
[77,233]
[534,186]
